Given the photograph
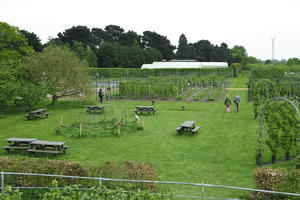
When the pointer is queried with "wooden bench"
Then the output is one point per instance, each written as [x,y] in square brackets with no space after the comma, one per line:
[195,130]
[95,109]
[37,114]
[7,148]
[144,109]
[179,129]
[43,151]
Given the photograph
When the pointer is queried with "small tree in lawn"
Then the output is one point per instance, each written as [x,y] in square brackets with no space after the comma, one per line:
[62,73]
[32,94]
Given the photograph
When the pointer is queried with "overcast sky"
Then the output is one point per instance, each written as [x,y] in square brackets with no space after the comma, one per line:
[251,23]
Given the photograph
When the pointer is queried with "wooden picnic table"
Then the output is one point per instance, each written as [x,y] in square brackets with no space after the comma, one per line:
[18,143]
[188,126]
[43,146]
[95,109]
[37,114]
[142,109]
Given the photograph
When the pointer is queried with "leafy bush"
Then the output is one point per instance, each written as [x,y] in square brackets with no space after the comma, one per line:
[277,180]
[92,194]
[145,73]
[109,169]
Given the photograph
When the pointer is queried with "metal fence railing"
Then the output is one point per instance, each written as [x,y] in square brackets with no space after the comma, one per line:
[202,186]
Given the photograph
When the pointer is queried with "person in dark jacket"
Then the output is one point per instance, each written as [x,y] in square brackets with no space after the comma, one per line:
[101,94]
[227,103]
[236,101]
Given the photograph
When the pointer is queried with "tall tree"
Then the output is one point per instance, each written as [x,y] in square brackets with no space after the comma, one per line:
[33,40]
[183,48]
[293,61]
[13,49]
[98,37]
[159,42]
[62,73]
[113,34]
[81,34]
[203,51]
[85,53]
[239,54]
[130,38]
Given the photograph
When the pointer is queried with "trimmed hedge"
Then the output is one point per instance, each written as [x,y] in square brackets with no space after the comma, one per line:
[109,169]
[145,73]
[277,180]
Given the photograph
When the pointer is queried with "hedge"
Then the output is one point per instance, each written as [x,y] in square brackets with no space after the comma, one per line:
[145,73]
[108,169]
[283,180]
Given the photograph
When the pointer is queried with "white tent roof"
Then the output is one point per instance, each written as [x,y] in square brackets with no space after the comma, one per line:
[180,65]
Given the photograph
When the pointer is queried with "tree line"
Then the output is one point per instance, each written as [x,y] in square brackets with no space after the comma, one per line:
[115,47]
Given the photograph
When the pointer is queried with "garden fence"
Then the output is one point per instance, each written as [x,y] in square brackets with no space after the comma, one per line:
[202,186]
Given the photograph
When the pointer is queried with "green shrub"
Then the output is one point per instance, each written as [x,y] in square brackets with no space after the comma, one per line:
[277,180]
[109,169]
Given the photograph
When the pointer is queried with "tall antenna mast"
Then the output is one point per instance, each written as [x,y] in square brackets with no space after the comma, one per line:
[273,41]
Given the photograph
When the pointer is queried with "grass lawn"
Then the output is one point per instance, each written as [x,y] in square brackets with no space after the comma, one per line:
[221,153]
[241,81]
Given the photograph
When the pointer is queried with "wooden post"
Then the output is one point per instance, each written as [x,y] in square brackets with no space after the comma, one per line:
[142,123]
[61,121]
[80,129]
[119,130]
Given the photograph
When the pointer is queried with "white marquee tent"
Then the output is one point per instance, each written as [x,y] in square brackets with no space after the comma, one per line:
[172,64]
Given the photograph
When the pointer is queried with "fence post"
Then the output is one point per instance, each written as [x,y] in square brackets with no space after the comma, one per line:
[202,194]
[2,182]
[100,185]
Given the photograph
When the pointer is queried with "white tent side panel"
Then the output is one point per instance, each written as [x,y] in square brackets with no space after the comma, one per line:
[183,65]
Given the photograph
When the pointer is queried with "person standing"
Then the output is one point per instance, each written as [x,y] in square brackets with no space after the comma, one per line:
[236,101]
[227,103]
[101,94]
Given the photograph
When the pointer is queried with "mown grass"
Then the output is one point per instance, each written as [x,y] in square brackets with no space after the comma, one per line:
[223,151]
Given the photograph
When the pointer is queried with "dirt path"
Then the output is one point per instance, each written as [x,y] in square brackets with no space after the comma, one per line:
[236,89]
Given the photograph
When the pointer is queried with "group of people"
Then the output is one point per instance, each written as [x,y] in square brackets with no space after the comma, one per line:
[236,101]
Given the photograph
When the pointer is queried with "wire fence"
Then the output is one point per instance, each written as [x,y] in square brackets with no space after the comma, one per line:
[202,187]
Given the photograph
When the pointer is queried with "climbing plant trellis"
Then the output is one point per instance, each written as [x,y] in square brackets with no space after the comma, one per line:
[261,127]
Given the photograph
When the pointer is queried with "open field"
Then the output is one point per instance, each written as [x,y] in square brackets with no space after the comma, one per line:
[221,153]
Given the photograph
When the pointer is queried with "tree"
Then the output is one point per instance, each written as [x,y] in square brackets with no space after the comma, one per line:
[62,73]
[183,48]
[113,34]
[81,34]
[85,53]
[203,51]
[31,93]
[13,48]
[239,55]
[159,42]
[98,37]
[8,87]
[268,62]
[130,39]
[152,55]
[222,53]
[33,40]
[293,61]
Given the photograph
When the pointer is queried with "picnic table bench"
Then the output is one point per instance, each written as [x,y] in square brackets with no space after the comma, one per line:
[37,114]
[142,109]
[43,146]
[188,126]
[95,109]
[18,143]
